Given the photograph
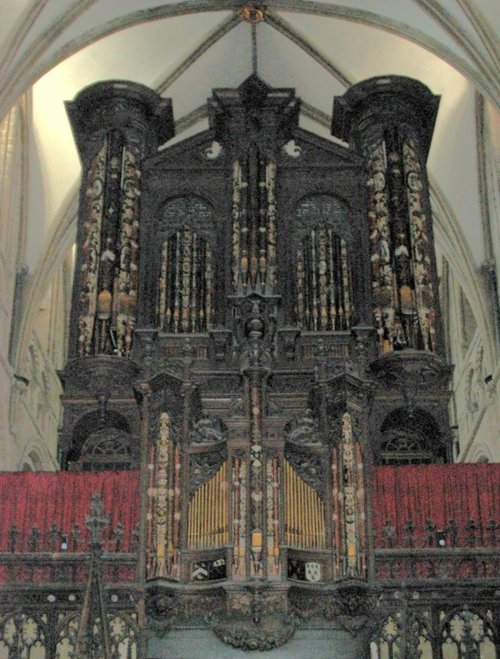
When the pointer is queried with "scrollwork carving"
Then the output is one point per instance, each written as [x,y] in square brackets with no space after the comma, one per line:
[304,430]
[308,465]
[270,633]
[208,430]
[202,466]
[165,609]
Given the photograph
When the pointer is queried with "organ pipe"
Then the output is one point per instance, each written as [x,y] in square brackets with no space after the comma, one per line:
[208,521]
[304,512]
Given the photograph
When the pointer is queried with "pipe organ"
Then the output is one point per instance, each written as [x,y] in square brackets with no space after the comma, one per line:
[250,306]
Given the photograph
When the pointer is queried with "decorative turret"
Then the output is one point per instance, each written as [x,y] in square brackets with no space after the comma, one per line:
[116,125]
[390,120]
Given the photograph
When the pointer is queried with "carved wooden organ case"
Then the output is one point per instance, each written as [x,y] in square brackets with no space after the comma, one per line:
[255,322]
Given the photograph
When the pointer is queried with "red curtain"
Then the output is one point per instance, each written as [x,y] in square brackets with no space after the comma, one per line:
[440,493]
[41,499]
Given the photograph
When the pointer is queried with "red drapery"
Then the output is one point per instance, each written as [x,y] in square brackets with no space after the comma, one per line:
[42,499]
[440,493]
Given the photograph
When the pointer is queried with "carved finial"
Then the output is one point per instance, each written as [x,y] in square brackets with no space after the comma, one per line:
[117,535]
[54,533]
[187,359]
[389,532]
[76,536]
[13,536]
[409,529]
[320,360]
[103,404]
[34,538]
[470,528]
[96,522]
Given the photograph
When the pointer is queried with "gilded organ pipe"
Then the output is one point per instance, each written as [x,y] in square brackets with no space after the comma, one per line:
[208,519]
[304,512]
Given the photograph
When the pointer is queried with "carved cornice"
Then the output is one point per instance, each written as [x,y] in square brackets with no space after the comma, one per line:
[235,109]
[204,464]
[385,101]
[119,104]
[208,431]
[303,431]
[166,381]
[97,376]
[415,366]
[308,463]
[347,389]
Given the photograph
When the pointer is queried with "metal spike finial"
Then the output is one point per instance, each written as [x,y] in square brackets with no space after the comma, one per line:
[96,522]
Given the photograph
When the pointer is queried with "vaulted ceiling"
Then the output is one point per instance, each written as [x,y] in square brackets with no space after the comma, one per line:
[185,49]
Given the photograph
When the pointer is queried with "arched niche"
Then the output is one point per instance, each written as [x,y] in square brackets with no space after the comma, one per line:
[468,633]
[410,438]
[102,440]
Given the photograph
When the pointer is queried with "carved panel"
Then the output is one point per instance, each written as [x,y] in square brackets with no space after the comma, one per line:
[208,430]
[303,430]
[202,466]
[308,465]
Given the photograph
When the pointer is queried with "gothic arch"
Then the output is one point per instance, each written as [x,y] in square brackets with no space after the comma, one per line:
[59,245]
[482,454]
[409,438]
[184,264]
[36,457]
[322,261]
[469,630]
[102,440]
[31,627]
[28,71]
[453,244]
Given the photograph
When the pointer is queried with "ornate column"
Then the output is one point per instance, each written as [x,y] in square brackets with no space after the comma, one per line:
[390,121]
[162,419]
[346,400]
[253,122]
[255,374]
[116,125]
